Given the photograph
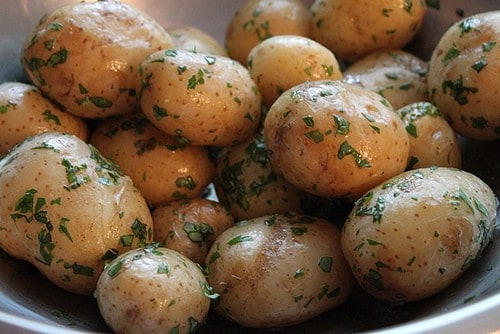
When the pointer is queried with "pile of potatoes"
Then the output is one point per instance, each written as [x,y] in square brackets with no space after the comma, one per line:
[168,175]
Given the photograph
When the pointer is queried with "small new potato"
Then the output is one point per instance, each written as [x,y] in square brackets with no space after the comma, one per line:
[257,20]
[85,56]
[353,29]
[247,185]
[195,40]
[198,98]
[153,290]
[278,270]
[333,139]
[190,226]
[463,76]
[25,112]
[161,168]
[432,140]
[281,62]
[412,236]
[397,75]
[67,210]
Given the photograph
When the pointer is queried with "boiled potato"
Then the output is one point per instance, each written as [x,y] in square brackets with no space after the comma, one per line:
[162,169]
[85,56]
[25,112]
[463,76]
[257,20]
[153,290]
[67,210]
[278,270]
[412,236]
[195,40]
[333,139]
[397,75]
[247,185]
[190,226]
[432,140]
[281,62]
[355,28]
[199,98]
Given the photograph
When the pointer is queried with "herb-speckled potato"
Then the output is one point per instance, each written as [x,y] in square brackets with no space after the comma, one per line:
[195,40]
[257,20]
[281,62]
[463,76]
[397,75]
[355,28]
[153,290]
[199,98]
[247,185]
[333,139]
[161,168]
[67,210]
[412,236]
[85,56]
[190,226]
[25,112]
[432,140]
[278,270]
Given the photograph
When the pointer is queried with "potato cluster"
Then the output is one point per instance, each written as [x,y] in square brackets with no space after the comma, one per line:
[169,175]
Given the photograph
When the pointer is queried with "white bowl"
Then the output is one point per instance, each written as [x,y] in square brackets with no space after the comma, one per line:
[31,304]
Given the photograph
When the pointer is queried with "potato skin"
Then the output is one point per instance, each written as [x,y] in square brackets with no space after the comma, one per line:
[333,139]
[193,39]
[463,76]
[153,290]
[25,112]
[190,226]
[161,168]
[410,237]
[199,98]
[355,28]
[66,210]
[85,56]
[278,270]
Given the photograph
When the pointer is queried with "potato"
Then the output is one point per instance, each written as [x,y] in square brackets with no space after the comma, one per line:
[412,236]
[278,270]
[397,75]
[333,139]
[257,20]
[66,210]
[195,40]
[85,56]
[162,169]
[432,140]
[190,226]
[353,29]
[153,290]
[281,62]
[199,98]
[247,185]
[463,76]
[25,112]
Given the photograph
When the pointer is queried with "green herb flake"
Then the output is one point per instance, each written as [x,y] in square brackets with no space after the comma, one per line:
[114,268]
[101,102]
[342,125]
[239,239]
[63,228]
[479,65]
[299,273]
[467,25]
[159,112]
[186,182]
[309,121]
[196,79]
[412,130]
[373,242]
[457,90]
[315,135]
[488,46]
[49,116]
[450,55]
[58,58]
[298,230]
[435,4]
[325,263]
[163,268]
[346,149]
[72,175]
[79,269]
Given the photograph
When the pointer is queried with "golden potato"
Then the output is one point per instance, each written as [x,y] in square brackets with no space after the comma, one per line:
[25,112]
[432,140]
[463,76]
[85,56]
[397,75]
[257,20]
[161,168]
[333,139]
[67,210]
[412,236]
[195,40]
[199,98]
[355,28]
[278,270]
[190,226]
[281,62]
